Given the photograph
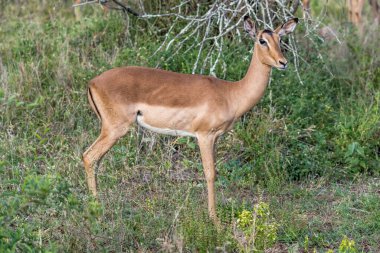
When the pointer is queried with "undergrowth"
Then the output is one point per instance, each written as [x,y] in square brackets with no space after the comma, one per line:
[308,153]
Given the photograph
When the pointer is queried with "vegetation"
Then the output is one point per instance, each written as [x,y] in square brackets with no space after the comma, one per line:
[299,173]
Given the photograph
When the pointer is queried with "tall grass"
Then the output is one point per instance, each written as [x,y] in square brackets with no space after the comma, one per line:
[310,150]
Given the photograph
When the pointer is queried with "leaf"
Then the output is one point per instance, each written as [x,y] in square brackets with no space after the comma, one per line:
[191,145]
[351,149]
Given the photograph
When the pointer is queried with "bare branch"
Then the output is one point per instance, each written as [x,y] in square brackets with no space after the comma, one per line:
[84,3]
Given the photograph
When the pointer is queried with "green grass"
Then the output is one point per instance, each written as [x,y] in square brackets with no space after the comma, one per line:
[311,150]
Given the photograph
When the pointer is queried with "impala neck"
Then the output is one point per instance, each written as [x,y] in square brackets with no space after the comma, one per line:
[252,87]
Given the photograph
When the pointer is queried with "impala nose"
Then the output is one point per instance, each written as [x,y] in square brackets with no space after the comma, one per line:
[283,63]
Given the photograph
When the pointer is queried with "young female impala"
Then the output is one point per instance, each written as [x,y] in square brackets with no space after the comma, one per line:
[180,104]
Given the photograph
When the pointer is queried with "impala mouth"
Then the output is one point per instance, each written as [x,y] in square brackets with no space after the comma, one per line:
[282,67]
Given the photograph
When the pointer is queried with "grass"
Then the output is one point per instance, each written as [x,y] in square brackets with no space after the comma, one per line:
[310,151]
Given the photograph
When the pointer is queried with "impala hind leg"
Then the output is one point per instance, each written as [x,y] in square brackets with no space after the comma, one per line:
[106,139]
[206,146]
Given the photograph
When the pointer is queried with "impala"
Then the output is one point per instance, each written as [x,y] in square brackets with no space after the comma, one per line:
[181,104]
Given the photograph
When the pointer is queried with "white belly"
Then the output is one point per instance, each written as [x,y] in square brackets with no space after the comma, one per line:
[168,131]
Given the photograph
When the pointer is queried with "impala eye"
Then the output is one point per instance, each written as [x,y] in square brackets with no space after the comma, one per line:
[262,42]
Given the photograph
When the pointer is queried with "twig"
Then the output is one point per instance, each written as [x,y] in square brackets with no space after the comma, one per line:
[84,3]
[126,9]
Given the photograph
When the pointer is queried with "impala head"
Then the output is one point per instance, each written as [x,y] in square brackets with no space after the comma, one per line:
[267,42]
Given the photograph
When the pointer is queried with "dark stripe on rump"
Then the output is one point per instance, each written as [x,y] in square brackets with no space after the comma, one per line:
[93,102]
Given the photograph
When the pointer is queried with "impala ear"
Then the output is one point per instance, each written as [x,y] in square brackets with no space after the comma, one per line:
[249,27]
[287,27]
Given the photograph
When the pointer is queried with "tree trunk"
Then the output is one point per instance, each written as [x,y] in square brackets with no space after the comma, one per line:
[375,11]
[355,8]
[77,12]
[306,9]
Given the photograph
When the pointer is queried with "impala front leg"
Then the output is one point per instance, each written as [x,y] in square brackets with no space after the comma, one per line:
[206,146]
